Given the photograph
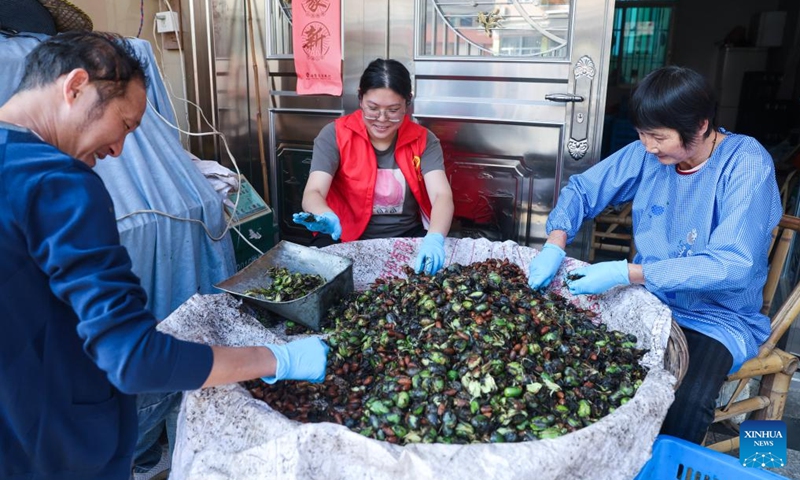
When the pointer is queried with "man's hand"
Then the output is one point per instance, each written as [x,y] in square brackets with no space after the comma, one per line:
[544,266]
[599,277]
[304,359]
[327,223]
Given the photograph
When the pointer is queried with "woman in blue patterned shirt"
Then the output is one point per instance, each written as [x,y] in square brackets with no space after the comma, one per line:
[705,202]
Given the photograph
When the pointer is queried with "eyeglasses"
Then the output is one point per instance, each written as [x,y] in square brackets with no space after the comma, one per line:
[393,114]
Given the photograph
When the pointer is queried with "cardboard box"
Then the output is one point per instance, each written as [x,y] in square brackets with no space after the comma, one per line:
[259,231]
[252,223]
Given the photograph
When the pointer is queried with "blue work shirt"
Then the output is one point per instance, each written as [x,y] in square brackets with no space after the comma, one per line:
[76,339]
[702,239]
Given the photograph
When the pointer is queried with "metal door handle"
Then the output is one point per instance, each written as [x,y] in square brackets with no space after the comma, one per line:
[578,143]
[563,97]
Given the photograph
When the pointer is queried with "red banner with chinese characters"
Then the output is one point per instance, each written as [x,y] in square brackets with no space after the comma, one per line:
[317,38]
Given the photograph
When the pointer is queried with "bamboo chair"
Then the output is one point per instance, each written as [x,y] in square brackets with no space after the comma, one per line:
[605,227]
[773,365]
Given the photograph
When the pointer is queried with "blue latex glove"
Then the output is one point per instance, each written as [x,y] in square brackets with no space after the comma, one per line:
[544,266]
[599,277]
[300,360]
[431,254]
[327,223]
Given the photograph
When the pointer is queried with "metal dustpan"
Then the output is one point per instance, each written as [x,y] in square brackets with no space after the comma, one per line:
[309,310]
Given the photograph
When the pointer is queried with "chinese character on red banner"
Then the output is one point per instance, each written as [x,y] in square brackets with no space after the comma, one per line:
[316,32]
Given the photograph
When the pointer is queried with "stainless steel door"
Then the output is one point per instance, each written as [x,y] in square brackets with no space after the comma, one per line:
[514,89]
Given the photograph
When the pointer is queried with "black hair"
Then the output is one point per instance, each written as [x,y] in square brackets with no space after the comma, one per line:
[386,73]
[109,60]
[677,98]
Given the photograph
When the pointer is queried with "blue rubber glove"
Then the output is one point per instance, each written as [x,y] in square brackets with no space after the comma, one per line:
[304,359]
[599,277]
[327,223]
[544,266]
[431,254]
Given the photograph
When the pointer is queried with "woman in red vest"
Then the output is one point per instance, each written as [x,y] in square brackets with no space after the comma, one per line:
[375,173]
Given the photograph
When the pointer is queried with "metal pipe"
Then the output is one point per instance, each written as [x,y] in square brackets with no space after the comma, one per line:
[259,124]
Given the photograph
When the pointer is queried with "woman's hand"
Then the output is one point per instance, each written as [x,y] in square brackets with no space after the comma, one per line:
[431,254]
[544,266]
[327,223]
[599,277]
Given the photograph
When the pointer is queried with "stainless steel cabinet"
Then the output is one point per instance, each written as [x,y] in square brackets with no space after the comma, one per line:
[515,90]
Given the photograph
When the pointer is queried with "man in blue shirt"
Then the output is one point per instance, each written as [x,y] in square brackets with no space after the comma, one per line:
[77,340]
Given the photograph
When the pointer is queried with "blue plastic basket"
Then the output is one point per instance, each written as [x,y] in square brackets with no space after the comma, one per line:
[676,459]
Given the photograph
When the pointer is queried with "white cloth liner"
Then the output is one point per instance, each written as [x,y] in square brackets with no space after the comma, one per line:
[224,180]
[224,433]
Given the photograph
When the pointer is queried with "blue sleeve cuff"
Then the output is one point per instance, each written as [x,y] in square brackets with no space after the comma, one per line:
[192,366]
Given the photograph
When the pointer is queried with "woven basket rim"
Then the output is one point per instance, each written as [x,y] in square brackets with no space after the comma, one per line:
[676,355]
[67,16]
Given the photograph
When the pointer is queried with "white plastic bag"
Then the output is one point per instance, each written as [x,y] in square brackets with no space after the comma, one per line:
[224,433]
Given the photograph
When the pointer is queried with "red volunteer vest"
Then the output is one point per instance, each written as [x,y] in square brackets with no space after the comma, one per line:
[351,192]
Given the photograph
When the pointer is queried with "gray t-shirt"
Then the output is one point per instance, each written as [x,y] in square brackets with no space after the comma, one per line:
[395,210]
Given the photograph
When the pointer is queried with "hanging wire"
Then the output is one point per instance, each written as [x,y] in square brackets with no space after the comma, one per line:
[141,17]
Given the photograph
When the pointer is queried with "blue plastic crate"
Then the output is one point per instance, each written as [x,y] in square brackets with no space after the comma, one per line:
[676,459]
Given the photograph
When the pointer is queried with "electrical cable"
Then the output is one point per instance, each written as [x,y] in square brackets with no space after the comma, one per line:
[213,129]
[183,73]
[173,217]
[170,88]
[229,224]
[232,217]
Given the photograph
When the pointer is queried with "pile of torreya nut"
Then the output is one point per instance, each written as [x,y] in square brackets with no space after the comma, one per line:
[470,354]
[285,285]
